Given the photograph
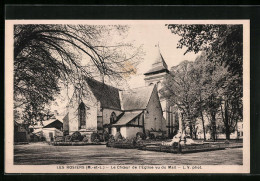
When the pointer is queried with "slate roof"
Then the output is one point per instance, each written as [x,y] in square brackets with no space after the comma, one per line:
[114,98]
[156,70]
[159,64]
[135,99]
[127,117]
[107,95]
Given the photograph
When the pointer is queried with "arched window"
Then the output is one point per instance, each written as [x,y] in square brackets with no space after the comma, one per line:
[82,116]
[113,118]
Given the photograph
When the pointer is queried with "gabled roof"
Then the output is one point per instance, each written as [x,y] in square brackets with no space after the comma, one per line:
[52,123]
[46,123]
[107,95]
[159,64]
[127,117]
[136,99]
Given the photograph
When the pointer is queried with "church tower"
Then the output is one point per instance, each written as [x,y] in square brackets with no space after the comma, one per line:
[156,75]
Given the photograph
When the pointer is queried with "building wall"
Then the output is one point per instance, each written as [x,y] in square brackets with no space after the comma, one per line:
[95,116]
[157,79]
[153,114]
[107,113]
[113,131]
[91,104]
[66,123]
[55,132]
[130,132]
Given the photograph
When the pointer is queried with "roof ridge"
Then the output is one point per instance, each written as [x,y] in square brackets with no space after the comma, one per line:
[136,88]
[106,94]
[94,80]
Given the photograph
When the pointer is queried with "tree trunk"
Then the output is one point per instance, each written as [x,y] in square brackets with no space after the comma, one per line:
[203,125]
[226,122]
[191,131]
[213,122]
[195,132]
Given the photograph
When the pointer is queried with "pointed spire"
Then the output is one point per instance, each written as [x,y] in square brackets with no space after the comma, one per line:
[159,64]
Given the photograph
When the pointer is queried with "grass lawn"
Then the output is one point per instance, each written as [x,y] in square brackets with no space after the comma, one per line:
[44,154]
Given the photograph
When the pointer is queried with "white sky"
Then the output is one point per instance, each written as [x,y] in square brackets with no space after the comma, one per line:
[149,35]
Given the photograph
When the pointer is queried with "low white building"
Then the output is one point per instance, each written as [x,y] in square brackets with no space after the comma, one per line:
[48,130]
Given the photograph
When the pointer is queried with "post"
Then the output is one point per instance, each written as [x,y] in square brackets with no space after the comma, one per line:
[167,118]
[180,121]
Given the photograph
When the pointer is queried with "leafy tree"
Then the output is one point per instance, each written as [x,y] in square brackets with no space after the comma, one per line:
[222,43]
[230,91]
[46,56]
[179,91]
[220,91]
[198,79]
[222,80]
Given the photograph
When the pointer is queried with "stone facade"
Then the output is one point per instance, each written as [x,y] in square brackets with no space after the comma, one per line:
[106,108]
[156,76]
[113,110]
[153,114]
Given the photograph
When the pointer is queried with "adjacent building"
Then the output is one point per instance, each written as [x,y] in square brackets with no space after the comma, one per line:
[20,131]
[157,76]
[106,108]
[47,130]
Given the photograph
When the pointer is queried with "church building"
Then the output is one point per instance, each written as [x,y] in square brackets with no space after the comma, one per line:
[107,108]
[156,76]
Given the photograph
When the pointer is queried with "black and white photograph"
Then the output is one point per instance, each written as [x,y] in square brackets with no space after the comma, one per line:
[127,96]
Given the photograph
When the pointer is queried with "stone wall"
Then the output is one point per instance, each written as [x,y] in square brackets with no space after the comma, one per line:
[130,132]
[91,105]
[107,113]
[153,114]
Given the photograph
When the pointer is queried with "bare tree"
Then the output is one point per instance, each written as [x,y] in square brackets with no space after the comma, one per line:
[47,55]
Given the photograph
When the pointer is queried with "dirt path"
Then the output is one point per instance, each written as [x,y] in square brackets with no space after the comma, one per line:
[43,154]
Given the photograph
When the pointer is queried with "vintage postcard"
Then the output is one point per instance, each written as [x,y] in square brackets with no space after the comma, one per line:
[127,96]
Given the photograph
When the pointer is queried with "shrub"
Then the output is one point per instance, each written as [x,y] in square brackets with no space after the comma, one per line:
[106,136]
[68,138]
[85,139]
[147,133]
[94,137]
[118,136]
[59,138]
[159,137]
[111,139]
[65,133]
[133,141]
[227,142]
[76,136]
[140,135]
[34,138]
[101,137]
[151,136]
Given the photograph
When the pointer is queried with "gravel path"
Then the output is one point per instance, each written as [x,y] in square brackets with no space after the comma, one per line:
[44,154]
